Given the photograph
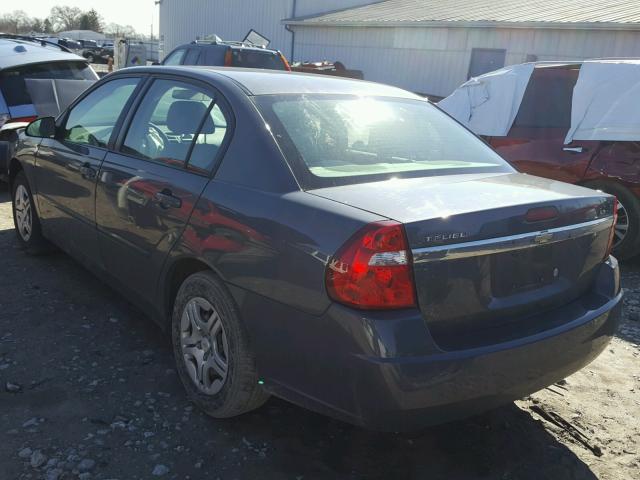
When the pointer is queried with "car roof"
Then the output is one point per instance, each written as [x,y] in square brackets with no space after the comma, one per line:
[578,63]
[14,53]
[276,82]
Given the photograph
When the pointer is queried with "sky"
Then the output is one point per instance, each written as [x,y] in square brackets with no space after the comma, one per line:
[137,13]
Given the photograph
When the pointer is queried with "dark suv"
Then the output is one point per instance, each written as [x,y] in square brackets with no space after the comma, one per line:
[218,53]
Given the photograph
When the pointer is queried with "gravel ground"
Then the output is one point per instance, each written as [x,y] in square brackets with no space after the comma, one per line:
[88,390]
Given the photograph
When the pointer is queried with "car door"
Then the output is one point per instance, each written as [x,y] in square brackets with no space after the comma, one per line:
[67,165]
[535,143]
[147,190]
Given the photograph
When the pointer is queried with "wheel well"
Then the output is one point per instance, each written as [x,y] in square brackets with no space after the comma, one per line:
[178,274]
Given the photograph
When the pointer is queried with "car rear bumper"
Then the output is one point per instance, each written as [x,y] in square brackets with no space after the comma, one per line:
[384,371]
[422,391]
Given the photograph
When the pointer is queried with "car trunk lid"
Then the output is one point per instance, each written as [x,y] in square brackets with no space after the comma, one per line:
[490,250]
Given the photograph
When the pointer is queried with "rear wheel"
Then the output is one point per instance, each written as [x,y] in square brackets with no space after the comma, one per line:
[626,242]
[211,348]
[25,217]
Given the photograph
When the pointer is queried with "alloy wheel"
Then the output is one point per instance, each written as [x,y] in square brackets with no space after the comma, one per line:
[205,349]
[24,219]
[622,225]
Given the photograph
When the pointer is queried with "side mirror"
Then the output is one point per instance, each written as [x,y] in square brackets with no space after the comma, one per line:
[44,127]
[156,63]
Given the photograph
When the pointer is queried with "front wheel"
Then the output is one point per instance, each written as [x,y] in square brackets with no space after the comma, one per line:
[25,217]
[626,242]
[211,348]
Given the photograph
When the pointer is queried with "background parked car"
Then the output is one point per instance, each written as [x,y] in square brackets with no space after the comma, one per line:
[365,256]
[535,142]
[220,53]
[23,59]
[68,43]
[92,51]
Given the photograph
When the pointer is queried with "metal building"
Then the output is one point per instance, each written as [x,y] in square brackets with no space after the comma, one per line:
[428,46]
[183,21]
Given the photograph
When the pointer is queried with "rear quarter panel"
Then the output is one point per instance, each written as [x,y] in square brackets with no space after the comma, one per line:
[273,245]
[617,161]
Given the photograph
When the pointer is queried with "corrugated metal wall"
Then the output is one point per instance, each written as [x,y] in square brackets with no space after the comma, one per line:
[436,60]
[427,60]
[182,21]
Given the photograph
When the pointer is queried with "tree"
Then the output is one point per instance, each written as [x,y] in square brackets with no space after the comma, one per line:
[91,20]
[120,30]
[37,25]
[15,22]
[65,18]
[46,26]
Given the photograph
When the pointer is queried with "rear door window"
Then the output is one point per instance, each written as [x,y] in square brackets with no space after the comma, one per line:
[547,99]
[12,81]
[213,133]
[192,57]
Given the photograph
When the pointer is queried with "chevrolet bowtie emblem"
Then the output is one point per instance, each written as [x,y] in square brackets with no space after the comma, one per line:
[543,238]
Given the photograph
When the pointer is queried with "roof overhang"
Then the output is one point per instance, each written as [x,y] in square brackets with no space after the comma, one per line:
[301,22]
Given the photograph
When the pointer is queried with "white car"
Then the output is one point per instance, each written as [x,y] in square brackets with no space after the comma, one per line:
[37,78]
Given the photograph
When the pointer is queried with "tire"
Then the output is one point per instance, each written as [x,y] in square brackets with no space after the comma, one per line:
[25,217]
[629,246]
[221,336]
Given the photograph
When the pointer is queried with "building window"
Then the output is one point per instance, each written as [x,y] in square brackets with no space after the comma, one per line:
[485,60]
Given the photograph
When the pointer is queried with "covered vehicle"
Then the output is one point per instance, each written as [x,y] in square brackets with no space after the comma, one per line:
[577,122]
[36,78]
[341,244]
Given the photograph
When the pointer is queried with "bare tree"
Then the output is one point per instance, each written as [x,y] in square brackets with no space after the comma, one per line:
[65,18]
[120,30]
[15,22]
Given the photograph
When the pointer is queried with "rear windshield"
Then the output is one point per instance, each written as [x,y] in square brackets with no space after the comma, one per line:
[256,59]
[340,140]
[12,83]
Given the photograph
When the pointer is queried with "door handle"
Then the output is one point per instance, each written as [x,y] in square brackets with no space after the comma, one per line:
[166,199]
[86,171]
[575,149]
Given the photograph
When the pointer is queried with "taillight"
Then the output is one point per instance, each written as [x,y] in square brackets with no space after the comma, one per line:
[22,119]
[612,234]
[287,67]
[373,269]
[228,58]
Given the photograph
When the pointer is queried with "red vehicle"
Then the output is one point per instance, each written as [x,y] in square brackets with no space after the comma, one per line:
[535,145]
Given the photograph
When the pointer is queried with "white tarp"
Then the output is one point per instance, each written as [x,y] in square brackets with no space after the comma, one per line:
[606,101]
[488,104]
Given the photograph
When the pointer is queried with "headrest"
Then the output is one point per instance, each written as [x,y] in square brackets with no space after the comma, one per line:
[184,118]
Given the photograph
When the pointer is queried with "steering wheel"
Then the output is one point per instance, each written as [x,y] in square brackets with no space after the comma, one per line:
[155,141]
